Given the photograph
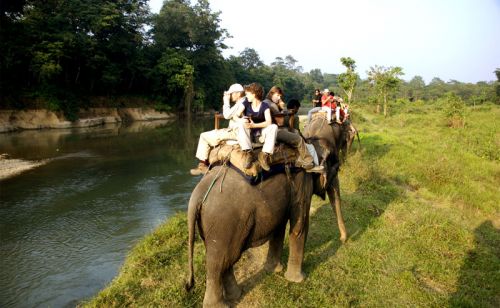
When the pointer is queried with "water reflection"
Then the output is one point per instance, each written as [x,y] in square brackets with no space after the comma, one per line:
[65,227]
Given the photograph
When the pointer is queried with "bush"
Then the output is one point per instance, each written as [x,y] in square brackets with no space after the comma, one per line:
[454,110]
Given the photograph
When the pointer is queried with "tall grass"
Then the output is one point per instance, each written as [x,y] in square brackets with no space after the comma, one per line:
[421,202]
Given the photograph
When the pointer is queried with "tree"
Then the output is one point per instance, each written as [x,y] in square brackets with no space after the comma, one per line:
[347,80]
[435,89]
[290,63]
[385,81]
[317,76]
[249,59]
[416,88]
[59,48]
[193,34]
[497,87]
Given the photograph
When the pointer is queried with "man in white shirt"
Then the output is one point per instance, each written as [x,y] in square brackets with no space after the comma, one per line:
[212,138]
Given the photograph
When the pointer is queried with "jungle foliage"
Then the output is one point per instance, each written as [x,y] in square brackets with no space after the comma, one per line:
[65,55]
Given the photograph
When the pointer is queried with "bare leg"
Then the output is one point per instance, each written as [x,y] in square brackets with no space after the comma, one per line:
[334,196]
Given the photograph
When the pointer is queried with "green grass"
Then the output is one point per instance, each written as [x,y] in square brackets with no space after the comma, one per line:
[421,203]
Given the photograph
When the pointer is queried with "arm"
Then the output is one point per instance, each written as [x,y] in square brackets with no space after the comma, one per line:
[274,108]
[281,104]
[237,117]
[227,110]
[264,124]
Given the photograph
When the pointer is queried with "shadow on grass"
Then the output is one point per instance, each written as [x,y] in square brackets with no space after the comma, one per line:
[360,210]
[479,282]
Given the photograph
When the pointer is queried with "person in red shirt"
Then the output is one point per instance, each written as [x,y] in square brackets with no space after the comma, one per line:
[328,104]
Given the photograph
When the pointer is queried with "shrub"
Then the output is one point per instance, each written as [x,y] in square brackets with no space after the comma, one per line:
[454,110]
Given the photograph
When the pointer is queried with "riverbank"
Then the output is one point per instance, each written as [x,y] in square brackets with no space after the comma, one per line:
[13,120]
[421,206]
[12,163]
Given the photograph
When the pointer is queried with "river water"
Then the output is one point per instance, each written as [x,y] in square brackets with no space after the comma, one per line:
[66,227]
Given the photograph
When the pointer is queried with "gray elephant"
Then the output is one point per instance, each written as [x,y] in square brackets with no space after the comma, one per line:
[241,216]
[233,215]
[328,139]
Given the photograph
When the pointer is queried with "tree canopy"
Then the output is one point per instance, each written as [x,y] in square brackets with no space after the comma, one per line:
[67,53]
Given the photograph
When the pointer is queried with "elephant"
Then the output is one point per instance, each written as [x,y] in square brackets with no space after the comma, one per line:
[233,215]
[344,135]
[328,139]
[241,216]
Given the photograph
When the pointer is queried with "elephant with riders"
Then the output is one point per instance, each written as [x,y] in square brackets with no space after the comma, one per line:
[233,213]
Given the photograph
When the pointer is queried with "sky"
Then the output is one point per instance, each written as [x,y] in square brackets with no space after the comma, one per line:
[448,39]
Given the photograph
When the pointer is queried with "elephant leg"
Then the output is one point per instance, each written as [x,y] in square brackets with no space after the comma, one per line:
[231,289]
[273,261]
[297,242]
[334,196]
[214,294]
[214,289]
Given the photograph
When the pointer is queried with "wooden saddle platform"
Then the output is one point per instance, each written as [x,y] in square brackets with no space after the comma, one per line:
[227,153]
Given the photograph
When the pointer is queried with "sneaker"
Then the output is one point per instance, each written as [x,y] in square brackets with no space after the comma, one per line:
[317,169]
[247,159]
[264,160]
[201,169]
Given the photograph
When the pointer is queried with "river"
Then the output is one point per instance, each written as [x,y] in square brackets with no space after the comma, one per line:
[66,227]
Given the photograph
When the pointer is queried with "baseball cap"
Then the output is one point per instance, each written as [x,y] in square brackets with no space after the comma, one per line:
[235,88]
[326,90]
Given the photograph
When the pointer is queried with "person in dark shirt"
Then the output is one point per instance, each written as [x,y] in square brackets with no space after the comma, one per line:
[316,102]
[292,138]
[258,126]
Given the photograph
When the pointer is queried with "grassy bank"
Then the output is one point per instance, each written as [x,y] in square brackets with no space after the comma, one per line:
[421,202]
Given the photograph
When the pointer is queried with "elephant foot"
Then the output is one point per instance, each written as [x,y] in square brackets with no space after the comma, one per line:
[272,268]
[232,293]
[294,276]
[221,304]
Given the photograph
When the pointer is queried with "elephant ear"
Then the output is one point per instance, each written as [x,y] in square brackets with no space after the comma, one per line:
[322,148]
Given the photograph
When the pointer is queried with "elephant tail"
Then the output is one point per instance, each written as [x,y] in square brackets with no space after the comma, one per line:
[192,217]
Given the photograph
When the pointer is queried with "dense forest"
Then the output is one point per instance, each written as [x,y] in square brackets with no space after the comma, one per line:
[70,54]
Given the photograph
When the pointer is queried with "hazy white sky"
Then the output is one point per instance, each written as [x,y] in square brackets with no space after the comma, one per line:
[449,39]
